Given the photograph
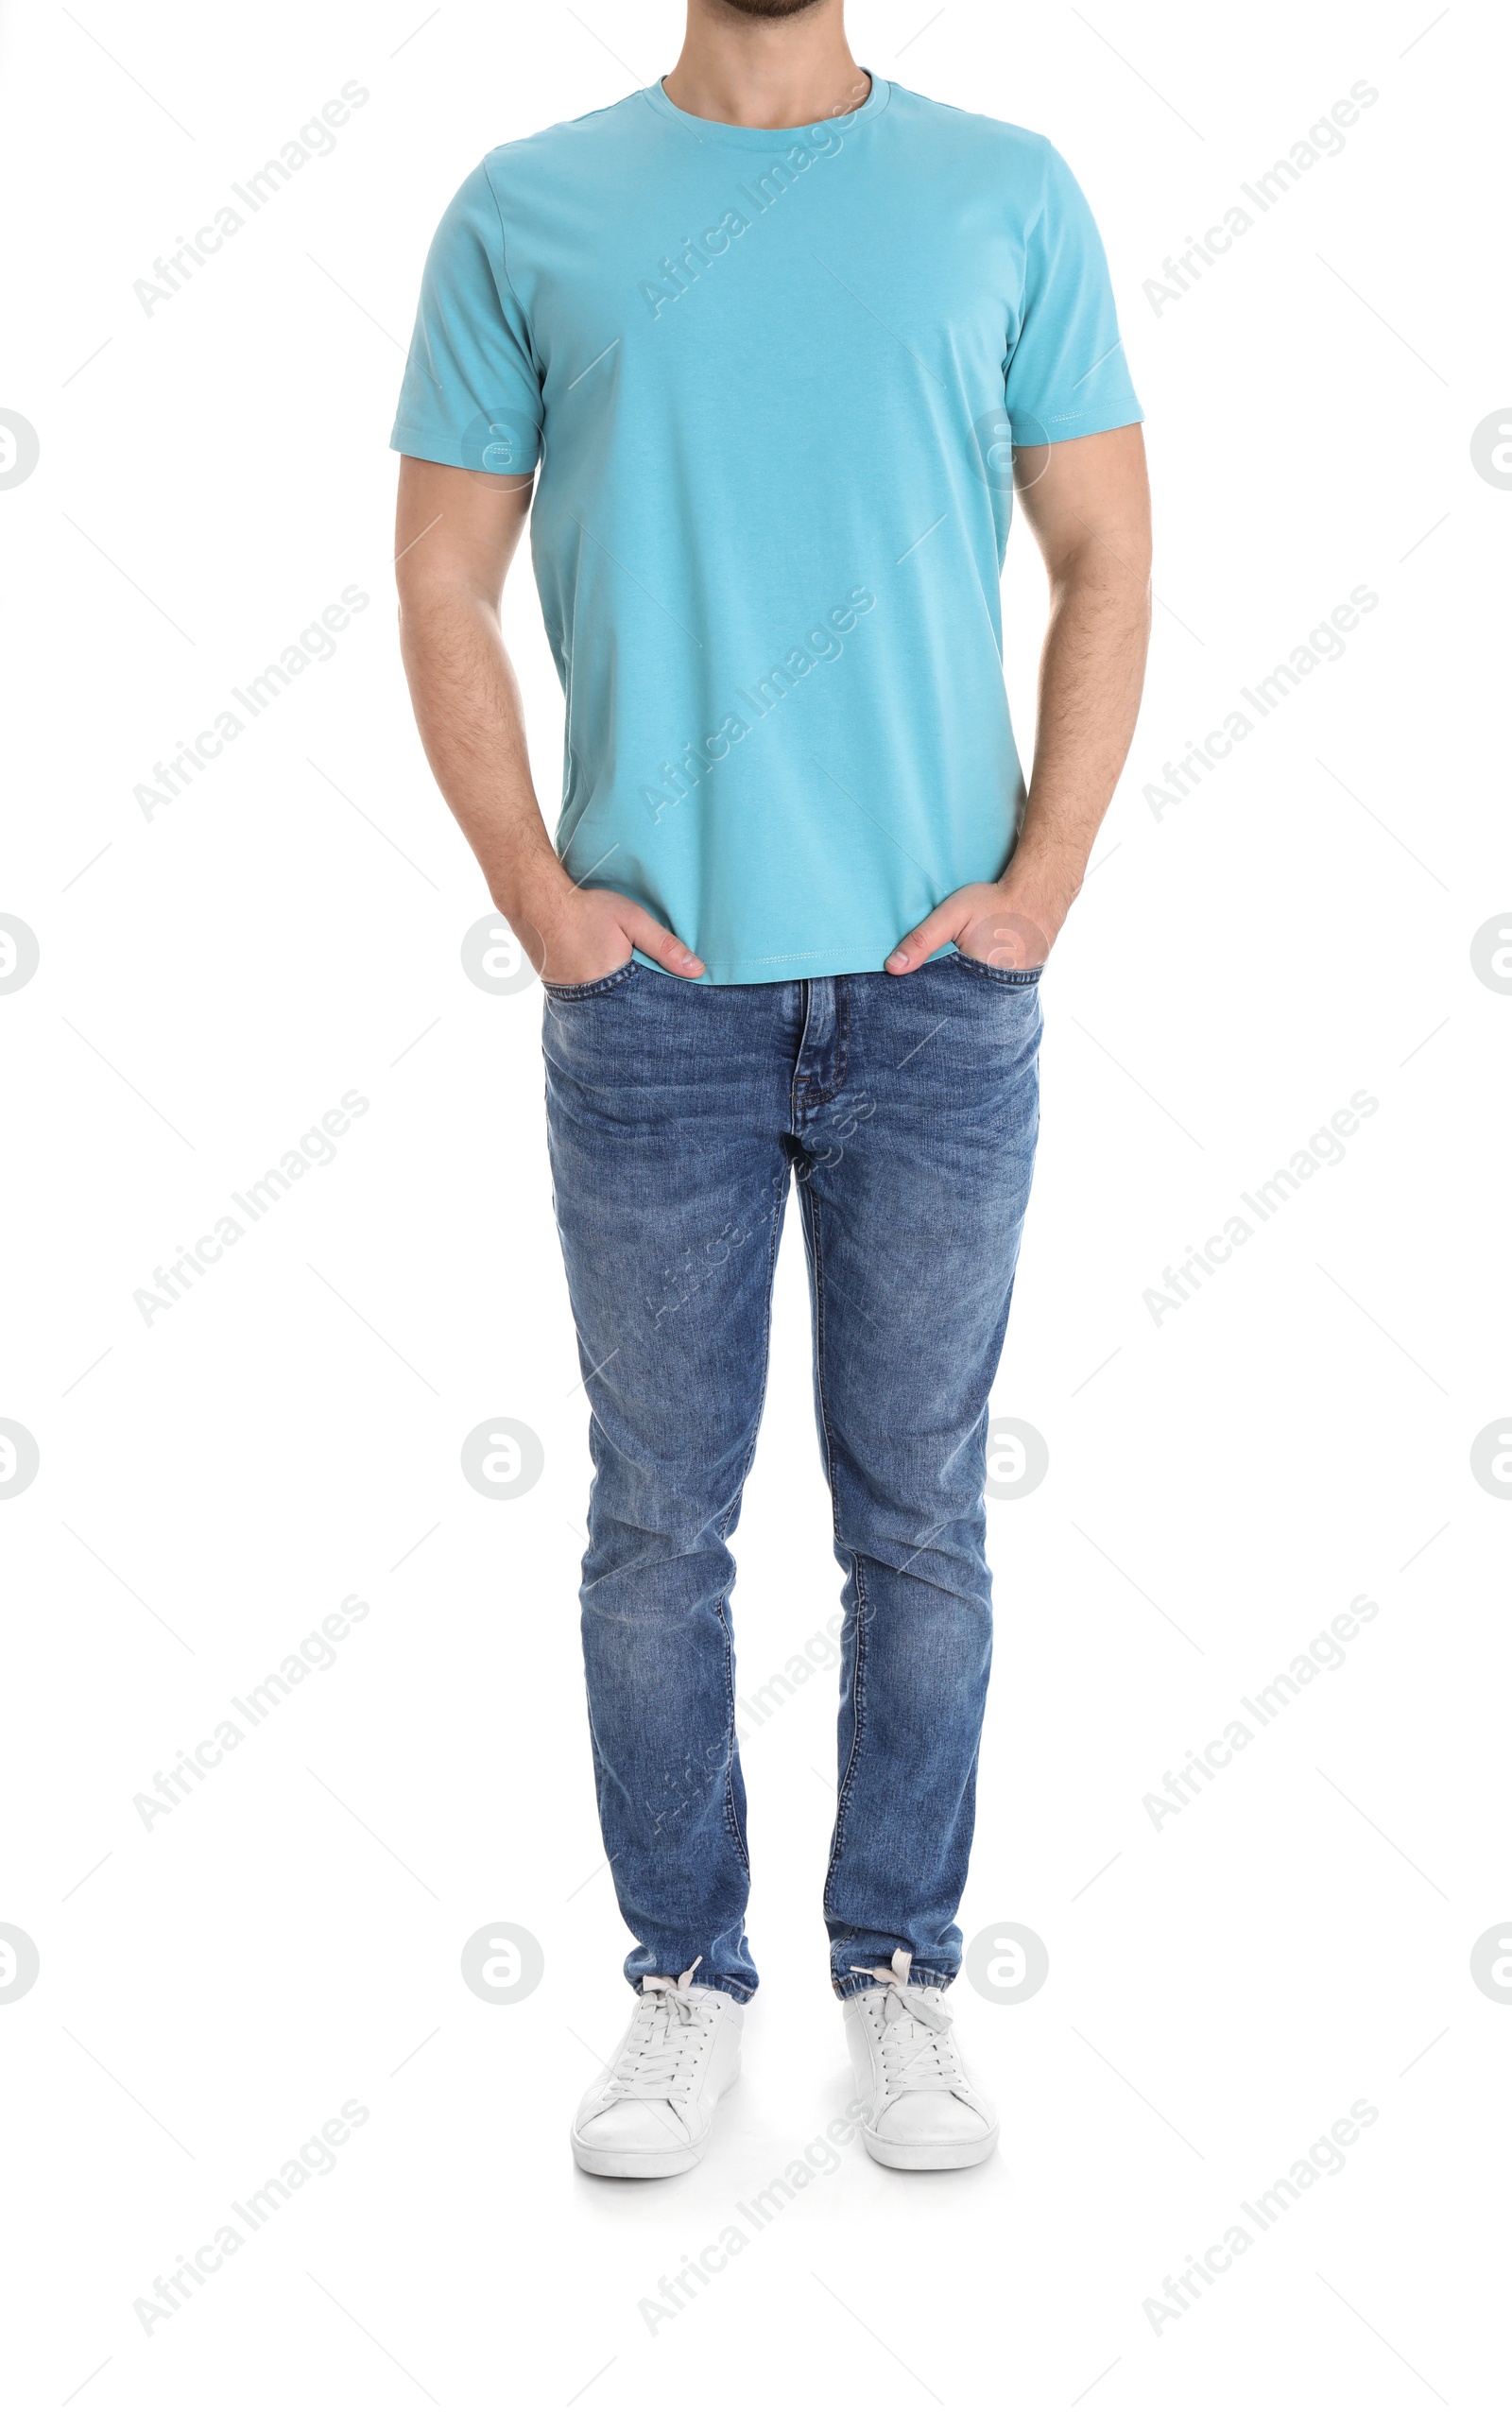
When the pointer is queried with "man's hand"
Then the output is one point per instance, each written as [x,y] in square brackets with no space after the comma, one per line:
[987,919]
[573,935]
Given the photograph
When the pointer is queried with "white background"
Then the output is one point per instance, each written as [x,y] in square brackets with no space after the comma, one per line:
[1221,1484]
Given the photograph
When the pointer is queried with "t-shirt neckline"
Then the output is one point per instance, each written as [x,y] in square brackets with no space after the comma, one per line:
[754,138]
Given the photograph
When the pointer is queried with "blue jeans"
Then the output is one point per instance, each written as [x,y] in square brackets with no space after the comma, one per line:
[906,1109]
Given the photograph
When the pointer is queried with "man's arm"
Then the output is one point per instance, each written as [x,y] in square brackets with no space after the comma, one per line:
[1088,502]
[456,536]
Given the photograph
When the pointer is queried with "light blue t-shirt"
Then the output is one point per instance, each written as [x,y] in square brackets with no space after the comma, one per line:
[773,381]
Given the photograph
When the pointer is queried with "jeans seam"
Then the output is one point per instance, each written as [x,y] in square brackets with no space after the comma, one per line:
[842,1039]
[800,1082]
[589,989]
[1026,979]
[730,1986]
[842,1800]
[731,1820]
[917,1977]
[811,1209]
[717,1986]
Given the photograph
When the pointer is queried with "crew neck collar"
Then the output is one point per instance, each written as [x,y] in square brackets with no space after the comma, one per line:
[766,138]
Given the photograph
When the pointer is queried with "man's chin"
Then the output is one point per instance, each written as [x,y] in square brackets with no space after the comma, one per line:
[770,8]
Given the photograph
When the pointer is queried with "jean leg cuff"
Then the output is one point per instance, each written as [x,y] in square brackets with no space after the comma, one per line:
[859,1982]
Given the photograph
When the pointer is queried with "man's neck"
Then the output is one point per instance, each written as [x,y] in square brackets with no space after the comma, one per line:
[778,72]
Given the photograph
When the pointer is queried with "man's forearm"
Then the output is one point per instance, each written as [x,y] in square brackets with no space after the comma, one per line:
[469,713]
[1091,672]
[455,537]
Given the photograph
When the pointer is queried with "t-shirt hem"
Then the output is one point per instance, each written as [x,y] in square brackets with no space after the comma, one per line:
[812,964]
[1097,422]
[446,450]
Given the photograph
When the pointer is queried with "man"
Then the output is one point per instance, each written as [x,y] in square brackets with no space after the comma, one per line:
[768,345]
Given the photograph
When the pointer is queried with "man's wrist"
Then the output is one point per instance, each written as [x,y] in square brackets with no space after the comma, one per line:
[1043,893]
[536,893]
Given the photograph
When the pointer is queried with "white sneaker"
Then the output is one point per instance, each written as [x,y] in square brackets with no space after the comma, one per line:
[922,2111]
[651,2112]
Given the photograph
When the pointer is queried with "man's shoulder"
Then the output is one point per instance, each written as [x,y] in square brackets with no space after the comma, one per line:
[995,137]
[574,143]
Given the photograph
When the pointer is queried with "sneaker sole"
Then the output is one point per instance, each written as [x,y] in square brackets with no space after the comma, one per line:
[956,2154]
[628,2163]
[646,2162]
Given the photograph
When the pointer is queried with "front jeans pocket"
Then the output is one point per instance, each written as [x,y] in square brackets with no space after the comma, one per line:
[1002,974]
[567,992]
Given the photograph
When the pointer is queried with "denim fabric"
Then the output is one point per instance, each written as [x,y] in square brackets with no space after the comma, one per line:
[906,1112]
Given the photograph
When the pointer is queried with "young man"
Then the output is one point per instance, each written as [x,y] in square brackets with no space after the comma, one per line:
[769,344]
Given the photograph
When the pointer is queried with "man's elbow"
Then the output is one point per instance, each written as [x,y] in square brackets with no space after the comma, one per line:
[436,595]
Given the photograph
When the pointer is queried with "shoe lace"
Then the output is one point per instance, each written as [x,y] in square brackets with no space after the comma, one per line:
[918,2053]
[666,2040]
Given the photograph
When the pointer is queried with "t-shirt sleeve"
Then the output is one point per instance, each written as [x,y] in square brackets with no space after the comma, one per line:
[471,395]
[1067,375]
